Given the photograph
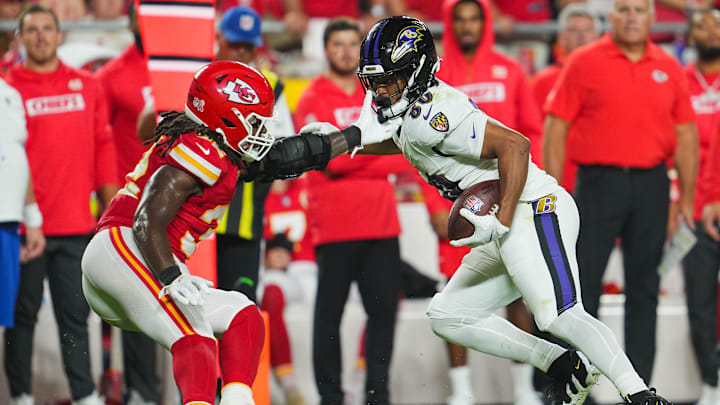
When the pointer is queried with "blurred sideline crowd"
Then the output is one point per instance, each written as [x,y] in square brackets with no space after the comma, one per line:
[636,138]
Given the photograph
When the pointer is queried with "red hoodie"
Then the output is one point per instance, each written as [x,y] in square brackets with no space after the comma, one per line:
[707,121]
[711,176]
[495,82]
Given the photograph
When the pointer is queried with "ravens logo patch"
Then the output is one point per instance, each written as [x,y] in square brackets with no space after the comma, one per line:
[439,122]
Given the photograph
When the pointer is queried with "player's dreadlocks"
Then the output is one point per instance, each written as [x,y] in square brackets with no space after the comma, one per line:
[176,123]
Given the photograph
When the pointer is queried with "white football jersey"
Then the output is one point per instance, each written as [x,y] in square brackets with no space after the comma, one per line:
[442,135]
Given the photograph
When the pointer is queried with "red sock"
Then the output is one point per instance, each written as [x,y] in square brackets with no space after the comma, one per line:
[240,347]
[274,304]
[194,366]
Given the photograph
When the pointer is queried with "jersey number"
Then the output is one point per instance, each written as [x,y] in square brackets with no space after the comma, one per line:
[130,187]
[449,189]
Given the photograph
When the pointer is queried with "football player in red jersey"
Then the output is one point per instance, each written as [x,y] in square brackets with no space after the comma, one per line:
[134,275]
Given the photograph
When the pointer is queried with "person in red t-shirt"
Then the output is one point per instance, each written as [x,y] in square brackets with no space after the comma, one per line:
[354,223]
[134,273]
[578,25]
[622,107]
[701,264]
[71,155]
[497,85]
[126,82]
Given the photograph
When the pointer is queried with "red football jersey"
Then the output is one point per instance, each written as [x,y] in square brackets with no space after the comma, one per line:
[199,215]
[287,213]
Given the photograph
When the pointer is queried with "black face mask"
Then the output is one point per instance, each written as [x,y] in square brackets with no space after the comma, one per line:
[708,53]
[138,42]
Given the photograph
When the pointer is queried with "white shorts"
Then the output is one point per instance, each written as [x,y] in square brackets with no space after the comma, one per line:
[122,290]
[536,260]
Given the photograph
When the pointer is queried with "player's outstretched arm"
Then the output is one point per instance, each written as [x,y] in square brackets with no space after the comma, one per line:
[513,153]
[165,192]
[292,156]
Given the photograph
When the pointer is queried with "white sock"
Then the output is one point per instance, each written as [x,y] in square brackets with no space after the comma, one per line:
[522,375]
[460,381]
[236,394]
[709,395]
[22,399]
[287,382]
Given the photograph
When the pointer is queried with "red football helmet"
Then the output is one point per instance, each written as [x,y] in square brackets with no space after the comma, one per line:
[236,101]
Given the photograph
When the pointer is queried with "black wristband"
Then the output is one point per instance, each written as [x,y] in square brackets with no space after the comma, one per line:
[352,136]
[168,274]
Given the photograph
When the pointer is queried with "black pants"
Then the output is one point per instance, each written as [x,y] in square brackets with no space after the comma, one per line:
[139,361]
[238,264]
[60,262]
[375,265]
[700,267]
[631,204]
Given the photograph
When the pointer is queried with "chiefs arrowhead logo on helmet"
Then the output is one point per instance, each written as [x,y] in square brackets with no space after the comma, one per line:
[236,101]
[240,92]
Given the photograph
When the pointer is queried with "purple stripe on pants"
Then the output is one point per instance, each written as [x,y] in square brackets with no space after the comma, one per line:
[557,257]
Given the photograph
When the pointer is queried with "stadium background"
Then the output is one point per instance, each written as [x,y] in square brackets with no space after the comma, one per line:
[419,371]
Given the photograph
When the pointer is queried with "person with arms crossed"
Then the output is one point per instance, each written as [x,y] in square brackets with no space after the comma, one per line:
[71,154]
[454,145]
[134,274]
[701,264]
[619,110]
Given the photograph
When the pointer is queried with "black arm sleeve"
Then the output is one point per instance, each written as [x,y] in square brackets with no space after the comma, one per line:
[290,157]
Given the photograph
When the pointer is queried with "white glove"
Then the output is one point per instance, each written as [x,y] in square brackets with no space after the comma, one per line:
[319,128]
[487,229]
[371,130]
[186,289]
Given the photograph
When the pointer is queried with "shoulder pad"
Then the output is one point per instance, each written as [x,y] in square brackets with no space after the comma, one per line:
[198,156]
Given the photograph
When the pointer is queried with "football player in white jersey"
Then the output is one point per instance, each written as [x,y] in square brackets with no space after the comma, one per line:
[526,248]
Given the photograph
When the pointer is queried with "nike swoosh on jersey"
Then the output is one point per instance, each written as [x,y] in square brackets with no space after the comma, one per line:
[195,164]
[204,150]
[473,135]
[425,117]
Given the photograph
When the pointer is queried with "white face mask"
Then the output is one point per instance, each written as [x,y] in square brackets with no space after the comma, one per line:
[259,140]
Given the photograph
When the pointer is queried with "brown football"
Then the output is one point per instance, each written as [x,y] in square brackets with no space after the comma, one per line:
[480,199]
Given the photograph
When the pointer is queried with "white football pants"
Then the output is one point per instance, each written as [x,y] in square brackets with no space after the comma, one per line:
[121,289]
[535,260]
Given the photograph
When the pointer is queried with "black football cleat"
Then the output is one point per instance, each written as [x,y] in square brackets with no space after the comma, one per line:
[575,384]
[647,397]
